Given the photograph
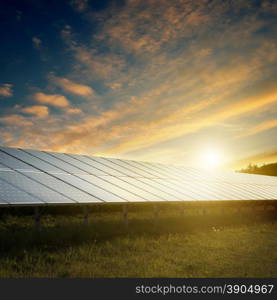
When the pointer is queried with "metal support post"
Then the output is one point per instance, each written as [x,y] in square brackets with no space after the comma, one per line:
[182,210]
[156,211]
[86,214]
[37,218]
[125,215]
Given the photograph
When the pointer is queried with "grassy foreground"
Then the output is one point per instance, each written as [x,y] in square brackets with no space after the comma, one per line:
[190,245]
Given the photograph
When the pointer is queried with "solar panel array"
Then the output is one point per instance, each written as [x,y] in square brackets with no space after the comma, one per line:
[29,177]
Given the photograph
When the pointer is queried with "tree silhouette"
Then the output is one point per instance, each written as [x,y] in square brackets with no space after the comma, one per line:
[265,169]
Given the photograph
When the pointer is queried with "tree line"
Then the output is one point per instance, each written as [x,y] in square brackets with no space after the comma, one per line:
[265,169]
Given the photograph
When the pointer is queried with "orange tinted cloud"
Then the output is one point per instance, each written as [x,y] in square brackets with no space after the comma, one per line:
[39,111]
[146,30]
[15,120]
[266,125]
[73,111]
[51,99]
[147,135]
[73,87]
[6,90]
[116,132]
[102,65]
[172,68]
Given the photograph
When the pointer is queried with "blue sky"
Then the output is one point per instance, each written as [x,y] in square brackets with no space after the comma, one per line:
[155,80]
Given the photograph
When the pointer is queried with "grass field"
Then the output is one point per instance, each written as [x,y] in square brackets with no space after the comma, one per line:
[191,245]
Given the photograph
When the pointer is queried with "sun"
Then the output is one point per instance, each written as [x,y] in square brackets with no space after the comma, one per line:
[212,158]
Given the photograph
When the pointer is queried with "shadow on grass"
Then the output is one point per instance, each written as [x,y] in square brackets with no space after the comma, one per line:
[18,235]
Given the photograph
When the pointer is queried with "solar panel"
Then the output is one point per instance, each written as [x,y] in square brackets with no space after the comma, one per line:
[153,188]
[256,190]
[69,191]
[114,188]
[145,169]
[12,195]
[92,162]
[13,163]
[94,190]
[116,167]
[142,191]
[31,160]
[36,189]
[135,172]
[80,165]
[30,177]
[164,186]
[85,178]
[116,185]
[50,159]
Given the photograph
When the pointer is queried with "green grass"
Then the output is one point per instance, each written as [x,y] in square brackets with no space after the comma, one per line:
[212,245]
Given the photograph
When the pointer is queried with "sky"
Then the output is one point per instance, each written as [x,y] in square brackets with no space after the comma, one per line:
[179,81]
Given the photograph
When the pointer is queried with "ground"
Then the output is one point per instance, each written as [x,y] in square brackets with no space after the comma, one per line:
[214,244]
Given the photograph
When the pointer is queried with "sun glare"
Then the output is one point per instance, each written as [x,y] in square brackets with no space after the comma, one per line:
[212,158]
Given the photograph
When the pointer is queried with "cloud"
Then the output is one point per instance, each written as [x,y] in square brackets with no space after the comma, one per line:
[141,123]
[73,111]
[80,5]
[52,99]
[98,65]
[66,34]
[6,90]
[115,85]
[264,126]
[73,87]
[163,70]
[150,25]
[39,111]
[147,134]
[7,137]
[36,42]
[260,158]
[16,121]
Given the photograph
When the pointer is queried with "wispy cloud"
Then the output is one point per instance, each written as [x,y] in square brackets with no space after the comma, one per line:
[6,90]
[264,126]
[149,26]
